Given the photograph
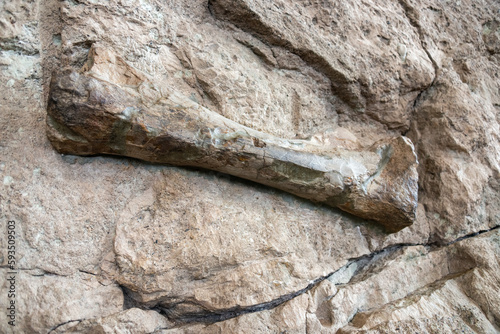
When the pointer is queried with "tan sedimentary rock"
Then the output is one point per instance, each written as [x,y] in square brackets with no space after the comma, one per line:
[101,239]
[110,108]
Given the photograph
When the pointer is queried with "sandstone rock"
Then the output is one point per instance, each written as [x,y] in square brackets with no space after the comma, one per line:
[442,302]
[194,276]
[428,308]
[327,39]
[203,246]
[96,112]
[18,24]
[133,320]
[45,301]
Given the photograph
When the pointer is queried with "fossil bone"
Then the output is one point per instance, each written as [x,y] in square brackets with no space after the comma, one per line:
[110,108]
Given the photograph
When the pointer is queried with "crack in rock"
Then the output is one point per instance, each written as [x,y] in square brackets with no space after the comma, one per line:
[342,276]
[413,17]
[242,16]
[225,314]
[96,112]
[64,323]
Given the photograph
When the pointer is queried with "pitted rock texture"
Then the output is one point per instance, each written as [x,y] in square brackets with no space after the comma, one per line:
[110,108]
[116,245]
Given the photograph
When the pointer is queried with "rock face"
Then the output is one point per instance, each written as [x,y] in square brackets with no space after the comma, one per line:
[116,245]
[97,112]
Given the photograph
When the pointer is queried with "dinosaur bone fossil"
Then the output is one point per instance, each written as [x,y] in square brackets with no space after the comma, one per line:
[110,108]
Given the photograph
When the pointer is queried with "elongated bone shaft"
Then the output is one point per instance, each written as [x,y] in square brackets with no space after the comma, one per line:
[88,116]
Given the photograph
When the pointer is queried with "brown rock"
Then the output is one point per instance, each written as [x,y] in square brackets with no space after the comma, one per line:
[205,246]
[95,112]
[79,296]
[133,320]
[371,67]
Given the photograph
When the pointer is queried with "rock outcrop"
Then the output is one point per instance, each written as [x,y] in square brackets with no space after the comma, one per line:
[108,244]
[110,108]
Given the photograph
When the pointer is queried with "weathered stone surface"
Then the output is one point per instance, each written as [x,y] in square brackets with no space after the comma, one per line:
[197,243]
[440,295]
[46,301]
[371,65]
[459,151]
[131,321]
[111,108]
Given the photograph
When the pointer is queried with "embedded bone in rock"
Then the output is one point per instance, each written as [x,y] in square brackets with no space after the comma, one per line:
[114,109]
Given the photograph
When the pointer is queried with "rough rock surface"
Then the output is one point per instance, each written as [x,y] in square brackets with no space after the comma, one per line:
[108,107]
[115,245]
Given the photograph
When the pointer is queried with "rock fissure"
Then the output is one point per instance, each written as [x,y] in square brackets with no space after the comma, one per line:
[87,272]
[40,272]
[65,323]
[213,316]
[361,263]
[199,243]
[217,316]
[412,17]
[472,235]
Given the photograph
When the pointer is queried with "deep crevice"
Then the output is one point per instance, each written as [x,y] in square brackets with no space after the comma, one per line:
[212,316]
[128,300]
[472,235]
[225,314]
